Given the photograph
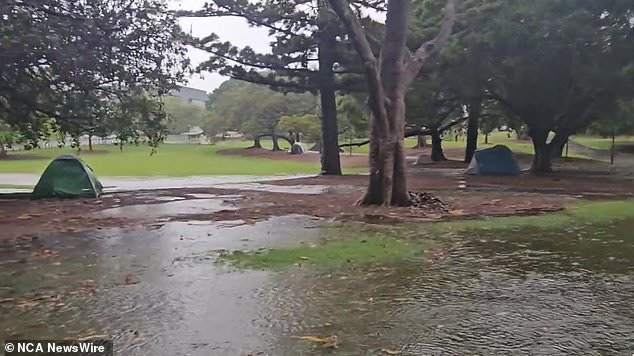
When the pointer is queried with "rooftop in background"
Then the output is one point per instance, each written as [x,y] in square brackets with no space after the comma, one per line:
[190,94]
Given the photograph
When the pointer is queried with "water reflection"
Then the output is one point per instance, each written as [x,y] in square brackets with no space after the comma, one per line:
[528,291]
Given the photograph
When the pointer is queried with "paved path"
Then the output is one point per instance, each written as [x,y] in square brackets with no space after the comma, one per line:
[118,184]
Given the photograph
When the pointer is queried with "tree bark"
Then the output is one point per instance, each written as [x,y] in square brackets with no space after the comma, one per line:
[613,149]
[3,150]
[256,142]
[542,157]
[557,145]
[388,79]
[475,109]
[330,160]
[486,139]
[89,143]
[421,141]
[437,154]
[276,145]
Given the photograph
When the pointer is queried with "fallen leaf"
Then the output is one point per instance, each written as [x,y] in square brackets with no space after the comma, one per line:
[92,337]
[391,352]
[304,258]
[131,279]
[45,253]
[458,212]
[329,342]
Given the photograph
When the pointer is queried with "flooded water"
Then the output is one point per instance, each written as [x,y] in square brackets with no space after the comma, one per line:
[173,207]
[163,292]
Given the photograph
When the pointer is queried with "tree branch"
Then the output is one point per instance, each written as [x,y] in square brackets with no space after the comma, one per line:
[364,50]
[431,47]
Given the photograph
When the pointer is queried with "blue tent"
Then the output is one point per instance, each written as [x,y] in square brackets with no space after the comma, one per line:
[497,160]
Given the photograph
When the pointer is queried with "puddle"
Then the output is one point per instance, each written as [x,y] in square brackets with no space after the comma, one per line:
[294,189]
[526,291]
[172,208]
[202,195]
[168,199]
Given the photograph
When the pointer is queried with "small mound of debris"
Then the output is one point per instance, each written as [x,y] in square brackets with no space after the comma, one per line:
[428,201]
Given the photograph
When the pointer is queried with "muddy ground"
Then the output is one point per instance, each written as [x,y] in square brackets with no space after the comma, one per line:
[325,197]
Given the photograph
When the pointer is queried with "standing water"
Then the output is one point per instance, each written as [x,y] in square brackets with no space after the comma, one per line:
[165,292]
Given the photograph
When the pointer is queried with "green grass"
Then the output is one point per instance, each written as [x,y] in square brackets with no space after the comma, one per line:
[601,143]
[355,244]
[15,186]
[330,253]
[169,160]
[585,213]
[495,138]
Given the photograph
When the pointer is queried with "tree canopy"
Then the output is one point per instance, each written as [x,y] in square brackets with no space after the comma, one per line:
[309,53]
[79,63]
[232,105]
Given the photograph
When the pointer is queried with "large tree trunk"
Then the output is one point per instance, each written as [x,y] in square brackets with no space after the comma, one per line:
[542,157]
[421,141]
[3,151]
[89,142]
[256,142]
[388,184]
[276,145]
[474,108]
[330,162]
[437,154]
[613,148]
[388,80]
[557,145]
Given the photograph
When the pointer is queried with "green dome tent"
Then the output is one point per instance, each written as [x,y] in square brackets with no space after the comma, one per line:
[67,177]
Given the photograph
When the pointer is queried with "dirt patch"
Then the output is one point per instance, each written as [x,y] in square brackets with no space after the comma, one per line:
[463,196]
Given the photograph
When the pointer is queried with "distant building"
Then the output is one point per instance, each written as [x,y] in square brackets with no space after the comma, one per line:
[195,135]
[191,95]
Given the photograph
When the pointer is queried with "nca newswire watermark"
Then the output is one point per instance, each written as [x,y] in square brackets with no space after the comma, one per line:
[58,347]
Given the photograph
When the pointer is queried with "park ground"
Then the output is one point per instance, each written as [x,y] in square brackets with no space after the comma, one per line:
[534,264]
[578,177]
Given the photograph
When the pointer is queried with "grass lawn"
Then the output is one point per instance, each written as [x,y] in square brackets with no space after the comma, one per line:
[601,143]
[352,244]
[169,160]
[495,138]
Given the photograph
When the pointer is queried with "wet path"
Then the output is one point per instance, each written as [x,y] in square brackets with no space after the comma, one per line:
[118,184]
[162,292]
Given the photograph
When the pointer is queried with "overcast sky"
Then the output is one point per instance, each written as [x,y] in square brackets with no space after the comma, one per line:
[232,29]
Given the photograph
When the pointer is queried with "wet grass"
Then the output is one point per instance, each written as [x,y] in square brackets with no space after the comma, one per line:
[357,244]
[331,253]
[449,142]
[584,213]
[169,160]
[602,143]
